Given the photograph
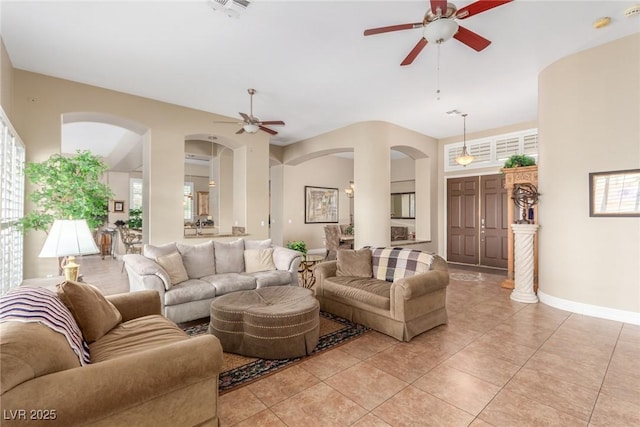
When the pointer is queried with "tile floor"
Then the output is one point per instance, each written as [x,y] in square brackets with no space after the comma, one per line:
[497,363]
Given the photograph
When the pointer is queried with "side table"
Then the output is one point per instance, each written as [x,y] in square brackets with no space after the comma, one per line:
[306,269]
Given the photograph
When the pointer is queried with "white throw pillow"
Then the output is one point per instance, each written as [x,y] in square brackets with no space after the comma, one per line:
[256,260]
[173,265]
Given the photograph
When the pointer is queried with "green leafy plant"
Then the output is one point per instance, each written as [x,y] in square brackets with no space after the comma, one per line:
[298,245]
[67,187]
[518,160]
[135,218]
[349,230]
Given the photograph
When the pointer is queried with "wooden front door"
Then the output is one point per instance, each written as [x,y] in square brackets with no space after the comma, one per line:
[463,229]
[477,221]
[493,222]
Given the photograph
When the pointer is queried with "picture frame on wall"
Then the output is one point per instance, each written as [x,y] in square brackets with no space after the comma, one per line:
[614,193]
[321,205]
[118,205]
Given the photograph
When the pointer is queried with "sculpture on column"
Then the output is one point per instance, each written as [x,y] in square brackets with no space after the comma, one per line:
[525,196]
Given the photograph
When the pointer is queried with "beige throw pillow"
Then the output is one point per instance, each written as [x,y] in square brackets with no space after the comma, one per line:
[354,263]
[258,260]
[173,265]
[94,314]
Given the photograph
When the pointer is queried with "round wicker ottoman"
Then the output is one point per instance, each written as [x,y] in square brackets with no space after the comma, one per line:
[278,322]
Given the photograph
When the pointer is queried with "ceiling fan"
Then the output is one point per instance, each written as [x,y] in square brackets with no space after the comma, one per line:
[252,124]
[439,26]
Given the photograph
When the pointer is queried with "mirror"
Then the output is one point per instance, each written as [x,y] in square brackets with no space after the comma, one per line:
[614,193]
[403,205]
[202,186]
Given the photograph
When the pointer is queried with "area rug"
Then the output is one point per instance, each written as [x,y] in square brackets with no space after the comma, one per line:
[240,370]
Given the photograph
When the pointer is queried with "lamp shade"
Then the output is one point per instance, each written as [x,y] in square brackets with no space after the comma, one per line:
[250,128]
[440,30]
[69,237]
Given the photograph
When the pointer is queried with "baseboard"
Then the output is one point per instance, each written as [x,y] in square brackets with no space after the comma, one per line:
[590,310]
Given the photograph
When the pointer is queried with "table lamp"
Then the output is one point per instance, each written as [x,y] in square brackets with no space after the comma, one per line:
[69,238]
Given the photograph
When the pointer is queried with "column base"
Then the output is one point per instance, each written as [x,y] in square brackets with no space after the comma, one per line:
[525,297]
[507,284]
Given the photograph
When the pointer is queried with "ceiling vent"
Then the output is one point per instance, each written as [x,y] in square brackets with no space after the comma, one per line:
[232,8]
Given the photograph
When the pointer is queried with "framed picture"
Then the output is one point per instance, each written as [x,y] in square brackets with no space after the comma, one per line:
[118,206]
[203,203]
[614,193]
[321,205]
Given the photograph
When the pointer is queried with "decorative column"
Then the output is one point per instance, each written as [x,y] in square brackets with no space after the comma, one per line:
[524,262]
[513,176]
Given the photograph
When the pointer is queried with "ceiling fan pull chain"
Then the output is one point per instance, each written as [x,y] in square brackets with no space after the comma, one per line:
[438,75]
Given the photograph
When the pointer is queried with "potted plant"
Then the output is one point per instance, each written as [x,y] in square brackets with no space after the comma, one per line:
[298,245]
[67,187]
[519,160]
[135,218]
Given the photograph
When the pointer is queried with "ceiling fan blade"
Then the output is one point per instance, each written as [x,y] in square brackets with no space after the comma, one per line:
[415,51]
[246,118]
[267,130]
[479,7]
[273,123]
[372,31]
[442,4]
[241,130]
[471,39]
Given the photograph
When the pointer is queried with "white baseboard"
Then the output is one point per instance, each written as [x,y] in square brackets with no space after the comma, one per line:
[590,310]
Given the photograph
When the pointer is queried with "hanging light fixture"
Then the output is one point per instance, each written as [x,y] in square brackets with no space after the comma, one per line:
[212,183]
[465,158]
[349,190]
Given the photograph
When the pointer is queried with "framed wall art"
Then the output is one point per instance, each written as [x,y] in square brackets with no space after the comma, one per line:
[321,205]
[118,205]
[614,193]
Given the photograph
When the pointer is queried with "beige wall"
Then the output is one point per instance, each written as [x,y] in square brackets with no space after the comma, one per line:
[6,80]
[589,116]
[371,143]
[39,125]
[326,171]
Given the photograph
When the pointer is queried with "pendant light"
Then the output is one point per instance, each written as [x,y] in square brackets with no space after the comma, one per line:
[465,158]
[212,183]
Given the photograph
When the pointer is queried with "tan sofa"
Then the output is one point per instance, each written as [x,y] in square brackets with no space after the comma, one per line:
[145,371]
[399,292]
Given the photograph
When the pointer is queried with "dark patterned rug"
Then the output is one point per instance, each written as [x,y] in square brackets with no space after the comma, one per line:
[240,370]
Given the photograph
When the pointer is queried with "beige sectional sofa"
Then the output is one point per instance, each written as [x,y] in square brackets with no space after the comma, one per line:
[102,362]
[189,277]
[399,292]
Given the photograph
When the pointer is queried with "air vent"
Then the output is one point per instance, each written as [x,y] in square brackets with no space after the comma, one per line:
[232,8]
[632,11]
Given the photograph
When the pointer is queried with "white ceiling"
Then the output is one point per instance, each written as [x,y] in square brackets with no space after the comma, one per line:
[309,61]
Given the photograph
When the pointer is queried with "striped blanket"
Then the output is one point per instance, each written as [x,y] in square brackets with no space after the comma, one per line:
[395,263]
[24,304]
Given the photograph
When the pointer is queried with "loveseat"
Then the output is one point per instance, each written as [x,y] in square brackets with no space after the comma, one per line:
[399,292]
[189,277]
[78,358]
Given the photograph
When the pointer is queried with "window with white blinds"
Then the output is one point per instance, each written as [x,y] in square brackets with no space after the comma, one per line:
[188,201]
[493,151]
[135,193]
[12,158]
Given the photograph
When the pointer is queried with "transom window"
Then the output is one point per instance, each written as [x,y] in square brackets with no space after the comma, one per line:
[492,151]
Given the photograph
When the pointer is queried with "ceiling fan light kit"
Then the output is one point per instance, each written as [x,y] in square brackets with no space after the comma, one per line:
[440,31]
[251,128]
